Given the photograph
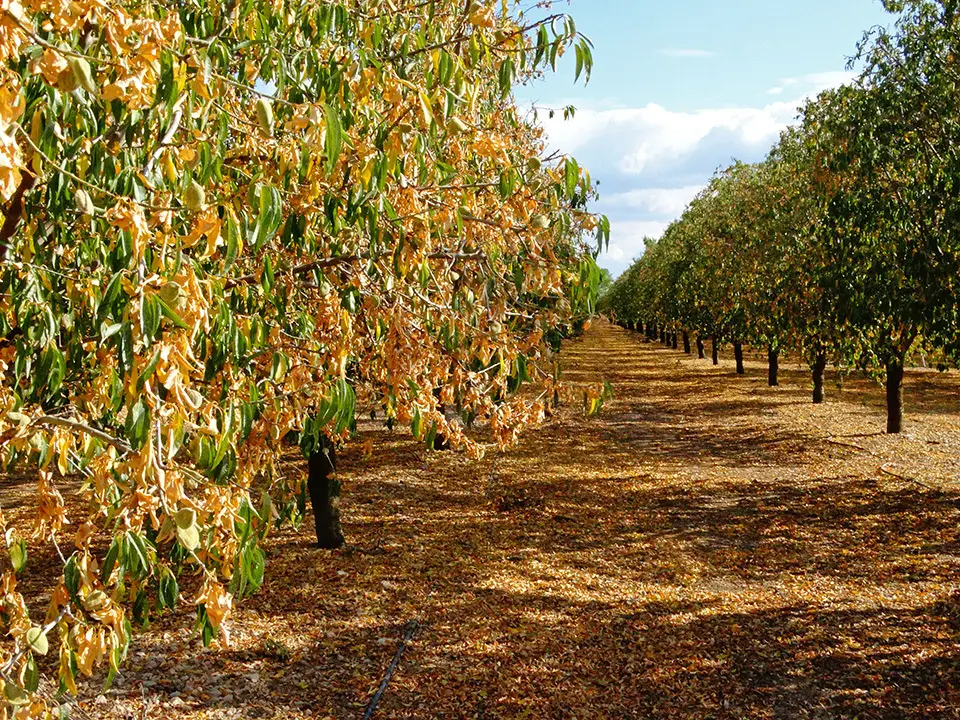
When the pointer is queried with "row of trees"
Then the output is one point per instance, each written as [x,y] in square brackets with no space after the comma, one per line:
[843,245]
[232,225]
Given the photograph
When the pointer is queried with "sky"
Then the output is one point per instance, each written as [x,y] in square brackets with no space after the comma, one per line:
[680,88]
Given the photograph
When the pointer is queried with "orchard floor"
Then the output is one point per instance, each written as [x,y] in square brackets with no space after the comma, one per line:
[708,547]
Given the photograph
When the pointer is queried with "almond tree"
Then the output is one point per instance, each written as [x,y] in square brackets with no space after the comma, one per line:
[889,144]
[229,225]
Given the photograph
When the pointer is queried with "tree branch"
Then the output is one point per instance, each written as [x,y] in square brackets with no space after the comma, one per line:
[342,260]
[14,212]
[91,431]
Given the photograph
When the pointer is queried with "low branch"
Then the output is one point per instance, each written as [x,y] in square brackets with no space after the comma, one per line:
[342,260]
[91,431]
[167,136]
[21,653]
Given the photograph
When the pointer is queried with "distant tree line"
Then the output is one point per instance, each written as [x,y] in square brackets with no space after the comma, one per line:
[844,244]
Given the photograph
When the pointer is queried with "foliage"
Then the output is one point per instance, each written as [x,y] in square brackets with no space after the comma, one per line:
[843,242]
[229,222]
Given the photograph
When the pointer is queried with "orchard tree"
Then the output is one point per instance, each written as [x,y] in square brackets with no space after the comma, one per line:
[229,225]
[805,301]
[889,144]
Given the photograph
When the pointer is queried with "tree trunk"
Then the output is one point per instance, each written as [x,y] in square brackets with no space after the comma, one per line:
[325,497]
[895,395]
[715,348]
[675,342]
[773,372]
[738,354]
[700,349]
[819,366]
[14,212]
[686,342]
[663,336]
[440,442]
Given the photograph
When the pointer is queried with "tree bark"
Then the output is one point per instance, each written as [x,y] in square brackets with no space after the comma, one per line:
[715,349]
[773,365]
[675,341]
[738,355]
[663,336]
[440,442]
[895,395]
[819,366]
[686,342]
[325,497]
[14,212]
[700,349]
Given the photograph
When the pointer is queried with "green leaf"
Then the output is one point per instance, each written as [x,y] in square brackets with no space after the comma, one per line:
[333,142]
[266,277]
[138,424]
[416,426]
[71,576]
[110,561]
[571,176]
[169,591]
[148,370]
[150,316]
[15,694]
[169,313]
[110,295]
[18,555]
[136,555]
[346,406]
[37,641]
[279,367]
[31,675]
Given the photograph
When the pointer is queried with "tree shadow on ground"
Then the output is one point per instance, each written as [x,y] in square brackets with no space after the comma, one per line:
[670,559]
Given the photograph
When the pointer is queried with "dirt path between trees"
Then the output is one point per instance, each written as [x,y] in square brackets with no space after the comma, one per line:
[698,551]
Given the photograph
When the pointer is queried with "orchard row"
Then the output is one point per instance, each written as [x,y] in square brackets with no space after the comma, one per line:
[844,244]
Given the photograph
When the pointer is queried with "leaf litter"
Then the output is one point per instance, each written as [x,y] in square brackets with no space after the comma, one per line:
[707,547]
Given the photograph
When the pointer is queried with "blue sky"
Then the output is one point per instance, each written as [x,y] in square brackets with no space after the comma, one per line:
[681,87]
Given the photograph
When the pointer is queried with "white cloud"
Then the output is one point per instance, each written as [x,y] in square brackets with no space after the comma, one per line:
[636,140]
[626,241]
[651,161]
[814,83]
[687,53]
[656,201]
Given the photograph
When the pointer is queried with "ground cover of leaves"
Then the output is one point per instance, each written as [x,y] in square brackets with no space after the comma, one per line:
[709,547]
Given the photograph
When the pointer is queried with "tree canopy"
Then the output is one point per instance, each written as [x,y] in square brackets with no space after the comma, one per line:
[842,244]
[230,224]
